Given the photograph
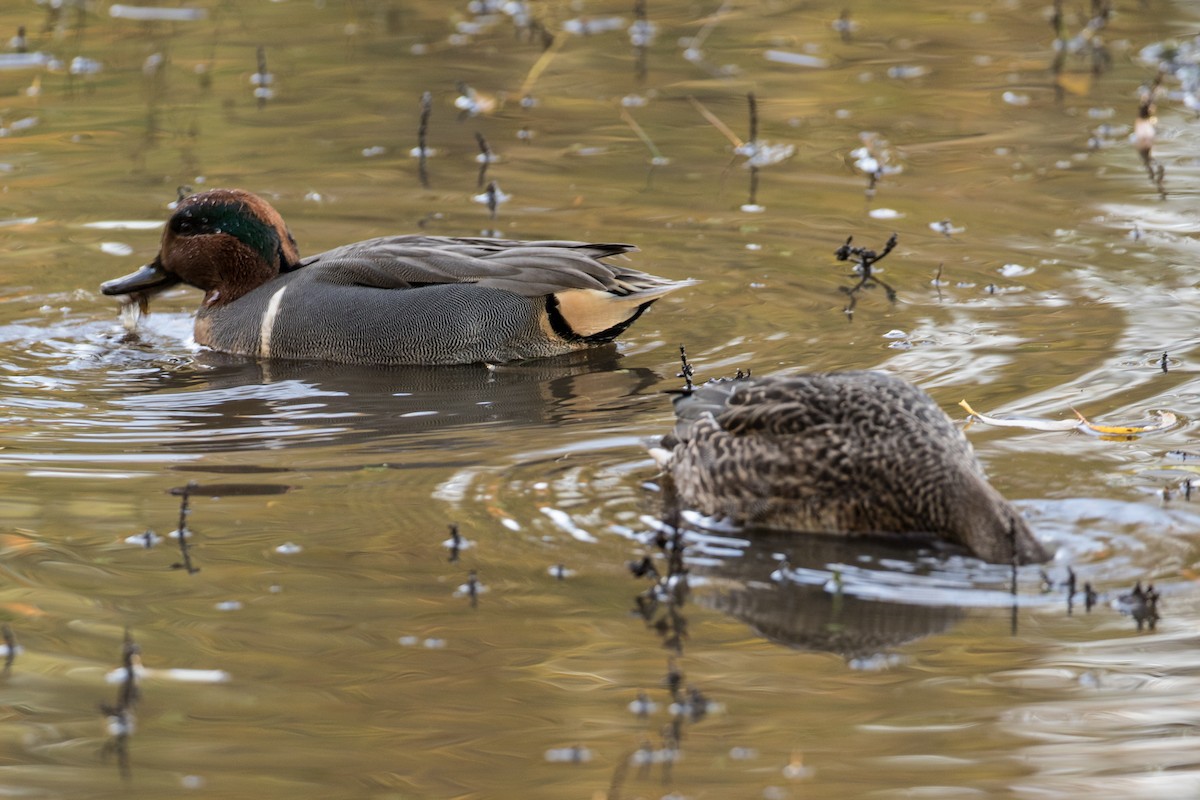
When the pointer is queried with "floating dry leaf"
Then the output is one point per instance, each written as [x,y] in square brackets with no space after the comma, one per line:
[1029,423]
[1164,420]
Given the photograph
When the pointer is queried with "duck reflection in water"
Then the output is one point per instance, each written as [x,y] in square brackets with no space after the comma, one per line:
[237,401]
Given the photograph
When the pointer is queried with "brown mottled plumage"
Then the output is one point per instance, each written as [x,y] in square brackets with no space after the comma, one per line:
[391,300]
[851,452]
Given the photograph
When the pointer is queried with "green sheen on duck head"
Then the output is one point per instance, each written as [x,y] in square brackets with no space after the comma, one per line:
[226,242]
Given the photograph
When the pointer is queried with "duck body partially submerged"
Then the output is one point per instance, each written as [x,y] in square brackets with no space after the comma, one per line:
[390,300]
[850,453]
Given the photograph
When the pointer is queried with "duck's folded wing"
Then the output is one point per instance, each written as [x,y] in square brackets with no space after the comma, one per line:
[530,269]
[803,404]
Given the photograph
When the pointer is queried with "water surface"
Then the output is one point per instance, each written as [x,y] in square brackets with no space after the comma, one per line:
[1038,270]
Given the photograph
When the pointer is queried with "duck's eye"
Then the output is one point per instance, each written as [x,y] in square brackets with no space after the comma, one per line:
[189,225]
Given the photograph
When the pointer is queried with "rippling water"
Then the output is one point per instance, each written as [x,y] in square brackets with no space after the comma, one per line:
[335,647]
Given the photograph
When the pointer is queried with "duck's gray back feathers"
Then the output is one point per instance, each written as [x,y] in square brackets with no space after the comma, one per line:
[854,452]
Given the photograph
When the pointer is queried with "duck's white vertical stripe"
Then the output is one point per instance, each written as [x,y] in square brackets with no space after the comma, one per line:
[268,323]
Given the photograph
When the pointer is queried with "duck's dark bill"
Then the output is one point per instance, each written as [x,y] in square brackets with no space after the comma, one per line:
[148,278]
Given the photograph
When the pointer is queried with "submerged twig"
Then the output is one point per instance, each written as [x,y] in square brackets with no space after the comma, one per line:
[656,156]
[713,120]
[539,66]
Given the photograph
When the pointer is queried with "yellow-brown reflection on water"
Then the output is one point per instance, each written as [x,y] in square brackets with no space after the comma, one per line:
[357,668]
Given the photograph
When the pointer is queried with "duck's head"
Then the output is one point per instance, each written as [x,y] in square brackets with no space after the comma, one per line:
[224,242]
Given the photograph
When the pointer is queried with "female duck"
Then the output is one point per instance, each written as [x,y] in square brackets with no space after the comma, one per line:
[846,453]
[393,300]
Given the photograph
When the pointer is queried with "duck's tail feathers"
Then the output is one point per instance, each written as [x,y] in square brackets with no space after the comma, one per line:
[597,316]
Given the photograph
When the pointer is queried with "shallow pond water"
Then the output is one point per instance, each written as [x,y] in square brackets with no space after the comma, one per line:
[328,645]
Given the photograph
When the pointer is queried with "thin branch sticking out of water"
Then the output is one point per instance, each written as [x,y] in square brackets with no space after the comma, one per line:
[456,542]
[485,158]
[182,531]
[473,588]
[752,109]
[120,715]
[262,80]
[10,648]
[1145,129]
[422,133]
[641,34]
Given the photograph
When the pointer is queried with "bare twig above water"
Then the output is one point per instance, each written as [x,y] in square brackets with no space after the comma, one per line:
[455,542]
[120,716]
[1145,129]
[262,80]
[641,34]
[10,648]
[182,531]
[473,588]
[422,137]
[485,158]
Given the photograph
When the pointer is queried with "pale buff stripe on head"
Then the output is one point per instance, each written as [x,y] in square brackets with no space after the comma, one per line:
[268,323]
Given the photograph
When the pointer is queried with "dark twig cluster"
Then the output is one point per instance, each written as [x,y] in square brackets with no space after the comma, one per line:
[865,261]
[687,371]
[1088,43]
[661,607]
[1142,605]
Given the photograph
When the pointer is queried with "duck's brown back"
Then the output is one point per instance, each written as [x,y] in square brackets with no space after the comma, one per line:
[854,452]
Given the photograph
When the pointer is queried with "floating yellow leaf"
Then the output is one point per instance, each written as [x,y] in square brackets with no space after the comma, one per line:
[1166,419]
[1077,83]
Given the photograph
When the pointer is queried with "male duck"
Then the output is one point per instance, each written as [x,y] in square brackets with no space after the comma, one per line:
[393,300]
[848,453]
